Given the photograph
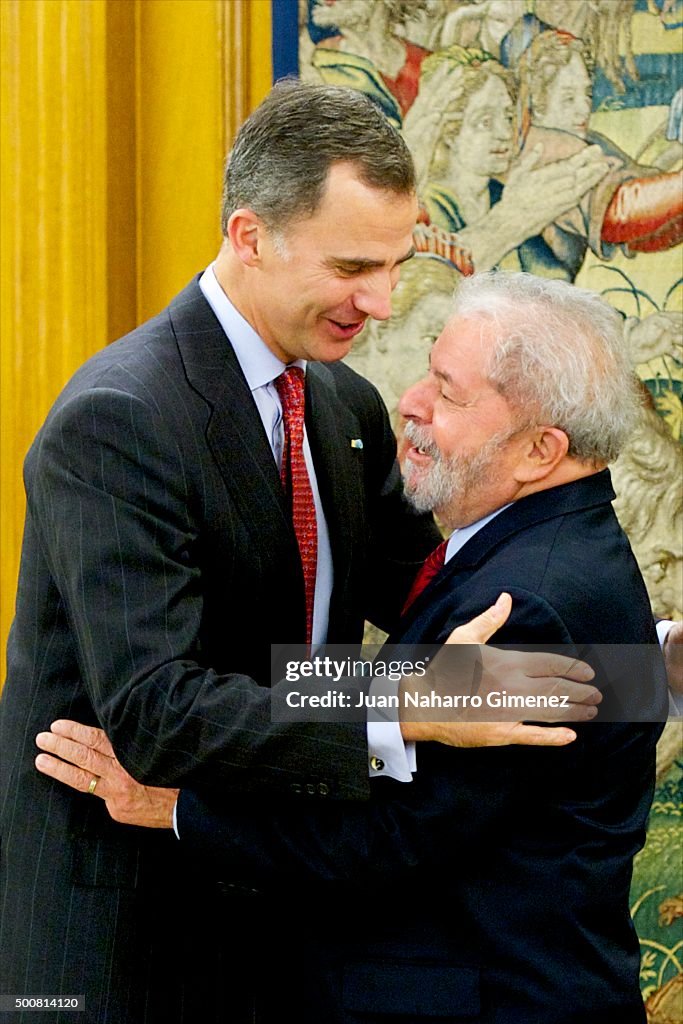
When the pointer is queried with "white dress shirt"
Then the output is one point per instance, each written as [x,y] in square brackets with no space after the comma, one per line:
[459,537]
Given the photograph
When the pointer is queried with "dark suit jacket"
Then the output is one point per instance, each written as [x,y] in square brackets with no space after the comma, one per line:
[494,888]
[159,564]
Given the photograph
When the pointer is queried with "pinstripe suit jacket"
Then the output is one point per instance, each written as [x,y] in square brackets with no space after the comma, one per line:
[159,564]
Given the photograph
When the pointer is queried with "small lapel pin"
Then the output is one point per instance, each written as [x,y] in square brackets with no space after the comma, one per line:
[356,442]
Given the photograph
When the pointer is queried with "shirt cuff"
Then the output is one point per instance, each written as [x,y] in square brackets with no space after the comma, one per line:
[175,819]
[663,627]
[388,753]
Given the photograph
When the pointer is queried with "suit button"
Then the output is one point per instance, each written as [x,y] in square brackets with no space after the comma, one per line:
[295,788]
[377,763]
[323,788]
[310,789]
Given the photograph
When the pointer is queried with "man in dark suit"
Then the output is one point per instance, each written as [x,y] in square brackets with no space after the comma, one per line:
[495,887]
[162,558]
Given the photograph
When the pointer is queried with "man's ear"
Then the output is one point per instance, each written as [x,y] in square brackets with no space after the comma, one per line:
[544,448]
[245,234]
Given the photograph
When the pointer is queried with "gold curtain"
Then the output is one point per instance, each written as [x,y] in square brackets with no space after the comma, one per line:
[116,117]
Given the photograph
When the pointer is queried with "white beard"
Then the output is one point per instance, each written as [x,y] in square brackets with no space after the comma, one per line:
[450,482]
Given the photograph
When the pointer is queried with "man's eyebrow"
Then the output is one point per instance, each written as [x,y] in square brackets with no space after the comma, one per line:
[440,375]
[365,264]
[445,377]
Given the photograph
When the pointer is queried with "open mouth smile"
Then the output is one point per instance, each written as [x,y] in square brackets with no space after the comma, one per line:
[344,330]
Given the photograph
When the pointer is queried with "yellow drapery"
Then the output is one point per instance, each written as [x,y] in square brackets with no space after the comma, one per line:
[116,117]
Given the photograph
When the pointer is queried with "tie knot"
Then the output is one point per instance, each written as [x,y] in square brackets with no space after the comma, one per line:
[435,561]
[290,388]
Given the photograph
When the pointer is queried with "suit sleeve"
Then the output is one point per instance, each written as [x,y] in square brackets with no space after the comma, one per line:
[117,528]
[597,792]
[450,803]
[457,797]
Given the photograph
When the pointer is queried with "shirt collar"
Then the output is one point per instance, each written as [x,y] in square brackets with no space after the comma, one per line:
[459,538]
[259,365]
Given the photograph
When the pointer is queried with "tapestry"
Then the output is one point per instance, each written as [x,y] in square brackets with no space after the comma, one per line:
[548,137]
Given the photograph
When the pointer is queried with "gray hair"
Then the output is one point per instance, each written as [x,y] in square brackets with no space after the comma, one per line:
[283,152]
[560,358]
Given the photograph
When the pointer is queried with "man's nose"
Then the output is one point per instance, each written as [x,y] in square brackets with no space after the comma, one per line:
[374,297]
[417,402]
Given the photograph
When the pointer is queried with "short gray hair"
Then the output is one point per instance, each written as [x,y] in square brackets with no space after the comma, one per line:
[560,358]
[283,152]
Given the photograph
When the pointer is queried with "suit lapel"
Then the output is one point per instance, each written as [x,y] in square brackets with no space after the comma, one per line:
[331,427]
[235,432]
[243,454]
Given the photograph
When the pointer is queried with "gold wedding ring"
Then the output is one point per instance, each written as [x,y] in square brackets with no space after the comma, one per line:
[93,782]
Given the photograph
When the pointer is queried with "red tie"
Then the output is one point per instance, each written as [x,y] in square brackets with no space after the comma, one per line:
[432,565]
[294,476]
